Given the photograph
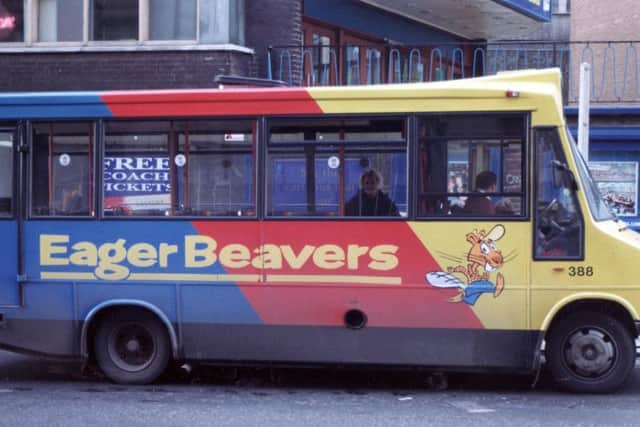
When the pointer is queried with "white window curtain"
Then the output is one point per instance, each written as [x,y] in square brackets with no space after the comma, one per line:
[172,19]
[60,20]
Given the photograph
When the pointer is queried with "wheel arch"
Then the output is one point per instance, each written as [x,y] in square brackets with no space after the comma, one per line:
[103,308]
[614,305]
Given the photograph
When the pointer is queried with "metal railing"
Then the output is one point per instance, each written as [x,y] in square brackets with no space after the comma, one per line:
[614,64]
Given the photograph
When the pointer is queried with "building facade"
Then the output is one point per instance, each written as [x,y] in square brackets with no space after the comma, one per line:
[385,41]
[604,34]
[50,45]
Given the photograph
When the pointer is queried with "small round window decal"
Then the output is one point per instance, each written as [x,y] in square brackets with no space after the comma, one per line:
[64,160]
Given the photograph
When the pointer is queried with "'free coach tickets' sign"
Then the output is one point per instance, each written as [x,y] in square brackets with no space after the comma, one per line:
[140,182]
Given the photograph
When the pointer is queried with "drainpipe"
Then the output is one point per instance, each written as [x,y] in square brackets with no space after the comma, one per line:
[583,110]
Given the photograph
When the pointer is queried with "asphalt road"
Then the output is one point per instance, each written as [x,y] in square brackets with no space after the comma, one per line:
[38,392]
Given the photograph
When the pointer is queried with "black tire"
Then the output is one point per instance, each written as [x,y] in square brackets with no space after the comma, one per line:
[132,347]
[590,352]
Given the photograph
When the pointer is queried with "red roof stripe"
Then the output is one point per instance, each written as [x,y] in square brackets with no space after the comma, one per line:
[226,102]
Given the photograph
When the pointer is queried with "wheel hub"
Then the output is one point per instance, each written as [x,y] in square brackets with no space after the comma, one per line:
[132,347]
[589,352]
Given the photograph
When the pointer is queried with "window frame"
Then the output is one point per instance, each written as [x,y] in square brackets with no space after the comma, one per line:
[251,149]
[26,27]
[120,152]
[31,12]
[534,197]
[340,37]
[93,177]
[99,192]
[261,170]
[13,128]
[526,192]
[267,145]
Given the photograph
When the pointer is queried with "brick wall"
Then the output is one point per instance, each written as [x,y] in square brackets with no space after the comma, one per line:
[118,70]
[605,20]
[595,23]
[274,23]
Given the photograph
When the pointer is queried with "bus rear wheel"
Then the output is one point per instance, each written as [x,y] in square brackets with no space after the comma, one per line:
[590,352]
[132,347]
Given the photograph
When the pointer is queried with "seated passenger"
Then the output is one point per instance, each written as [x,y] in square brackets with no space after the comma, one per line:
[370,200]
[482,204]
[73,201]
[478,204]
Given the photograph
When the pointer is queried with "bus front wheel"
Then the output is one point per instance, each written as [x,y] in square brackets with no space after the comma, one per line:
[590,352]
[132,347]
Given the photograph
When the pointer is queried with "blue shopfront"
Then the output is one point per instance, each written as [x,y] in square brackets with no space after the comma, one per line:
[614,156]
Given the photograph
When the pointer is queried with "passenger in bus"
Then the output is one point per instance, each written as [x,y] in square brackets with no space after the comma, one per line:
[370,200]
[73,203]
[479,204]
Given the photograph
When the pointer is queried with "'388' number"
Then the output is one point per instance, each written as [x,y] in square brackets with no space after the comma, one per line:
[581,271]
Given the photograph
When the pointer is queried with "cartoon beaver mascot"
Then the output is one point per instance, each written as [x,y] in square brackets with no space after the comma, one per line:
[484,258]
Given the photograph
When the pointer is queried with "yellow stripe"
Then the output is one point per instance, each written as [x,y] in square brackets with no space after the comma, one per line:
[327,279]
[66,276]
[251,278]
[195,277]
[157,277]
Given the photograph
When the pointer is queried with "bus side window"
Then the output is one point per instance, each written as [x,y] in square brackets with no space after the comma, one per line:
[337,167]
[215,168]
[471,165]
[62,177]
[136,169]
[180,168]
[6,172]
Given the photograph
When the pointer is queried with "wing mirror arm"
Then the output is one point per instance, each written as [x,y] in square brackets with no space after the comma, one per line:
[564,168]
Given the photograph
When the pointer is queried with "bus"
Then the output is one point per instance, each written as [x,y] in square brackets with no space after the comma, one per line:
[447,225]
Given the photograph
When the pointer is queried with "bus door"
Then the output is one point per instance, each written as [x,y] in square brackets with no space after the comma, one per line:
[9,288]
[473,220]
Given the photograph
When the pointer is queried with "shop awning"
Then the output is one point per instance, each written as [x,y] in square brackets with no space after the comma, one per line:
[473,19]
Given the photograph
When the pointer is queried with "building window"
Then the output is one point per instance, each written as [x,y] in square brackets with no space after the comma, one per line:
[172,19]
[374,66]
[114,19]
[221,21]
[321,60]
[11,21]
[131,21]
[60,20]
[352,65]
[562,6]
[120,20]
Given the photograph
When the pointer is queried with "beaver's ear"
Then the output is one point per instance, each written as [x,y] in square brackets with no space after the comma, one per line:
[473,238]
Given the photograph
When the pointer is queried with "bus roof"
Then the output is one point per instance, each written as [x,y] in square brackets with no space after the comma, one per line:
[520,90]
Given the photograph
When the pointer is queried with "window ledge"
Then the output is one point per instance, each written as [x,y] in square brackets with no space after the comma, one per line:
[133,47]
